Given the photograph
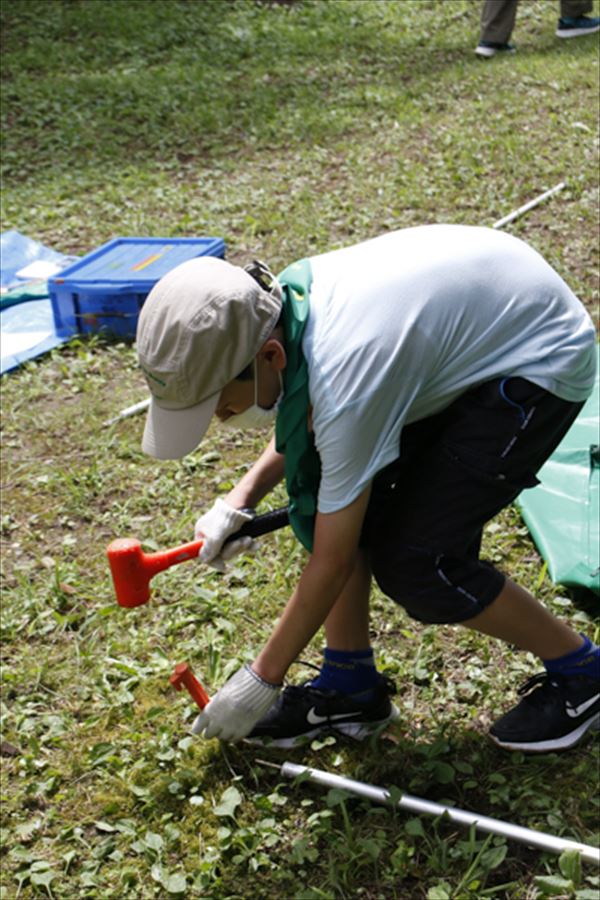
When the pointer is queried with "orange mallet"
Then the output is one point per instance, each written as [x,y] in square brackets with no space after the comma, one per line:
[183,676]
[132,569]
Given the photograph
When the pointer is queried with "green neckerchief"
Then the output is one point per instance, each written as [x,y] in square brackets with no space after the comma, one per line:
[292,437]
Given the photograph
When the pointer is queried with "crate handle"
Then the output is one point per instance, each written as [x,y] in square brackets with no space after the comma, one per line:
[87,316]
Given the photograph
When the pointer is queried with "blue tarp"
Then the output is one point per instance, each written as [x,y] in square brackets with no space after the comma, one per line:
[27,331]
[26,319]
[18,252]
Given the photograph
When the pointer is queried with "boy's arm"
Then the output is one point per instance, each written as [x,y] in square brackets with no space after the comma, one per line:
[259,480]
[229,513]
[329,567]
[237,707]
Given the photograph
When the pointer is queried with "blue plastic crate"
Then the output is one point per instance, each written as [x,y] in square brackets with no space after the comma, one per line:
[105,290]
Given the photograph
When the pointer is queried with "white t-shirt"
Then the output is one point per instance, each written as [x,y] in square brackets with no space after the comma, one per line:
[401,325]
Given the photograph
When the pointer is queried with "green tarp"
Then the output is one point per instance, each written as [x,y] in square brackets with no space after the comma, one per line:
[563,512]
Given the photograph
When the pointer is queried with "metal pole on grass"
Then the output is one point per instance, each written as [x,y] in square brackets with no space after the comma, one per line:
[129,411]
[528,836]
[527,206]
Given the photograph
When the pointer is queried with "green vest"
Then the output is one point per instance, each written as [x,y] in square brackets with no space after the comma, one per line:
[292,437]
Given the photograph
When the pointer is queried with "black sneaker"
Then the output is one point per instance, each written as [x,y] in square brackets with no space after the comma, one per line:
[577,26]
[554,715]
[487,49]
[301,712]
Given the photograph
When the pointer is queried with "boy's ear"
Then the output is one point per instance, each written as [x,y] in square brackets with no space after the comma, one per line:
[273,353]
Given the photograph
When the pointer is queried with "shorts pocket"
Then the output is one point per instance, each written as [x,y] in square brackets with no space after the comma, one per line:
[489,470]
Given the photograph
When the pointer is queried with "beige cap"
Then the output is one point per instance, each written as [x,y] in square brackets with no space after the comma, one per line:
[200,326]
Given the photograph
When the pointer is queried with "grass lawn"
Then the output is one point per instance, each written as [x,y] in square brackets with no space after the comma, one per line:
[287,129]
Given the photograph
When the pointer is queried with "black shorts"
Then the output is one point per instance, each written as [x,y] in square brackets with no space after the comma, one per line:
[456,470]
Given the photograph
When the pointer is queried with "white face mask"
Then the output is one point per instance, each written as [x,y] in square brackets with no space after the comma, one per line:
[255,416]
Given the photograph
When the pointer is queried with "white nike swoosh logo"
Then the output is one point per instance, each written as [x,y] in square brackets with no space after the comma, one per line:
[315,719]
[574,711]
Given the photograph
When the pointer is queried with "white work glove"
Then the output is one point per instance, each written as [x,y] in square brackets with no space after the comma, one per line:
[214,527]
[237,707]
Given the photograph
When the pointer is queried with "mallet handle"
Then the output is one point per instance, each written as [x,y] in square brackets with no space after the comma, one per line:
[264,524]
[163,559]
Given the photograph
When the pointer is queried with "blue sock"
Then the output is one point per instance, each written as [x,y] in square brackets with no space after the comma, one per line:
[584,661]
[347,672]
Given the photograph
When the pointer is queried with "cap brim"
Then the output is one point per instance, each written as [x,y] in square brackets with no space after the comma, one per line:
[173,433]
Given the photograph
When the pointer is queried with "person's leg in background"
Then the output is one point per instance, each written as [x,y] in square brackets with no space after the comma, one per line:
[574,19]
[497,23]
[574,8]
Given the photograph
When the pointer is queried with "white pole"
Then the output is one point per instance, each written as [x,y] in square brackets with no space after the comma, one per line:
[129,411]
[527,206]
[528,836]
